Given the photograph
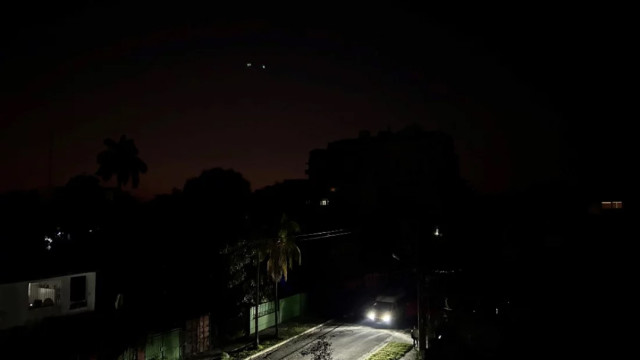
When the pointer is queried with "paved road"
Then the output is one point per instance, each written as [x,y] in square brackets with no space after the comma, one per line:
[349,341]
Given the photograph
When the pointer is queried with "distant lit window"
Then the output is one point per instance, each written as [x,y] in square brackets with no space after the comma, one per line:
[248,64]
[612,204]
[44,293]
[324,202]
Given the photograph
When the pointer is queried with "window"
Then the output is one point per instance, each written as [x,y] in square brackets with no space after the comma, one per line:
[44,293]
[324,202]
[612,205]
[78,296]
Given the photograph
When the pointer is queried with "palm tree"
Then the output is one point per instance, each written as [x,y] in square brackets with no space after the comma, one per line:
[283,252]
[121,159]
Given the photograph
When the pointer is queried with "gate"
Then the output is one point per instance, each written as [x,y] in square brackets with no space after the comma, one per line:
[197,337]
[164,346]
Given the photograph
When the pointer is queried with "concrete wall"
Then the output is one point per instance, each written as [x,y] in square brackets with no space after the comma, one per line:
[14,301]
[289,308]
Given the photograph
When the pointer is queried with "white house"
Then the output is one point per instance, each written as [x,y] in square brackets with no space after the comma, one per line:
[26,302]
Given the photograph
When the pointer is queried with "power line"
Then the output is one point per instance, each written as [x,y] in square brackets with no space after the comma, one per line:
[326,236]
[301,238]
[319,233]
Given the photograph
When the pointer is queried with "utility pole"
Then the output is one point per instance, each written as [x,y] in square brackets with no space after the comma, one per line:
[424,291]
[277,308]
[257,341]
[422,307]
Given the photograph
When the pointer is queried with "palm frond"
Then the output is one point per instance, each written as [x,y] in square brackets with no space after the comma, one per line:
[121,160]
[283,251]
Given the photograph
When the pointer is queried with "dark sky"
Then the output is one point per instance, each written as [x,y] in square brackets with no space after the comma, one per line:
[529,94]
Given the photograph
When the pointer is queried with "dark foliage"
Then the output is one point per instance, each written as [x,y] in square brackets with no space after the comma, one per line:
[121,159]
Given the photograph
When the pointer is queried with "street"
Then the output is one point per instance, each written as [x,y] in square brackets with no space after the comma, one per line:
[349,341]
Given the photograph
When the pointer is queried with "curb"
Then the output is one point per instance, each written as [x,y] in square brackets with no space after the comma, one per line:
[274,347]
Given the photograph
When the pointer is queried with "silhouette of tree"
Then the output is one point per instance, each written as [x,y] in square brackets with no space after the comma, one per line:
[283,252]
[209,215]
[121,159]
[244,260]
[217,205]
[24,221]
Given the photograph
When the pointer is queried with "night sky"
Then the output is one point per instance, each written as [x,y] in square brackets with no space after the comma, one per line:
[529,96]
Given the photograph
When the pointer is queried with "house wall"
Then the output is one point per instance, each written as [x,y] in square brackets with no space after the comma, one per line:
[14,301]
[66,294]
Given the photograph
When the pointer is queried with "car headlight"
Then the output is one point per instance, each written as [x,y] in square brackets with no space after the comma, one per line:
[386,317]
[371,315]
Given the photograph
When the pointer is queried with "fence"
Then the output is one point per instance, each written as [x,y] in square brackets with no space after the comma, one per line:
[196,338]
[197,335]
[164,346]
[161,346]
[290,307]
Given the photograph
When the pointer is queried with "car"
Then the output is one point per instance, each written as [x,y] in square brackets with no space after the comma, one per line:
[385,310]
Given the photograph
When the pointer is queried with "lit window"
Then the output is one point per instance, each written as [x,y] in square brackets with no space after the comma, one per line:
[324,202]
[44,293]
[611,204]
[248,64]
[264,67]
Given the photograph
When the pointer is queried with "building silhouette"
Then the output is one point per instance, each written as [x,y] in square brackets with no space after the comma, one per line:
[403,173]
